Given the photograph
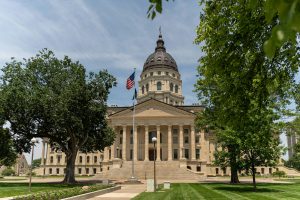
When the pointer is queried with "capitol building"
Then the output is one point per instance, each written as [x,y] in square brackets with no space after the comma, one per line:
[182,150]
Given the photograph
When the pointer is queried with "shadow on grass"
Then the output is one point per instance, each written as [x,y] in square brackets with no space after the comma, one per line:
[246,189]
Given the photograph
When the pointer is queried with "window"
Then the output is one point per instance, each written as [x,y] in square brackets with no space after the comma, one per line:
[147,87]
[50,170]
[151,73]
[217,171]
[151,135]
[87,171]
[80,159]
[88,159]
[175,154]
[95,159]
[57,170]
[79,170]
[270,170]
[199,168]
[186,139]
[51,159]
[262,170]
[109,154]
[58,158]
[131,154]
[224,171]
[186,153]
[158,85]
[176,88]
[143,89]
[167,73]
[145,75]
[197,140]
[171,87]
[159,72]
[175,136]
[197,154]
[94,170]
[173,75]
[121,137]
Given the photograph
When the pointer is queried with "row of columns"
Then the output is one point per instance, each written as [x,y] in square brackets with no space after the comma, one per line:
[158,147]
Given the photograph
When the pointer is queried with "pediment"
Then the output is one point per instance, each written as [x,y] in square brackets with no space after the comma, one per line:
[153,108]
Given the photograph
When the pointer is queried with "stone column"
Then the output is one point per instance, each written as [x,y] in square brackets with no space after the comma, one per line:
[135,144]
[180,141]
[158,158]
[193,149]
[146,143]
[169,143]
[112,147]
[124,144]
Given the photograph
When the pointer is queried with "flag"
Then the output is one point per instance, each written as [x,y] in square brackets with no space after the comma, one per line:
[130,81]
[134,95]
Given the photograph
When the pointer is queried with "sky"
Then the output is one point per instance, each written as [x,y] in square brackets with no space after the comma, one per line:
[114,35]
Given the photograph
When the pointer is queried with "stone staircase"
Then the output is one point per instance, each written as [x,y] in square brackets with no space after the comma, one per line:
[165,170]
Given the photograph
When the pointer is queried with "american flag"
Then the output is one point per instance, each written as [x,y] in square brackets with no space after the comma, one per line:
[130,81]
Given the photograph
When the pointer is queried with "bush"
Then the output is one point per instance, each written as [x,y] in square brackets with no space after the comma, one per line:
[32,174]
[60,194]
[279,174]
[8,172]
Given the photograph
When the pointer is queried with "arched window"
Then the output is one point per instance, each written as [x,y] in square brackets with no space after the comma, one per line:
[143,89]
[147,87]
[171,87]
[158,85]
[176,88]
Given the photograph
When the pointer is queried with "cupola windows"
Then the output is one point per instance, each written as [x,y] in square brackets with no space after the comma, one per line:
[158,85]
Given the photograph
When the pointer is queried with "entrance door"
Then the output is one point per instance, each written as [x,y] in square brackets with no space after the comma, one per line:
[151,154]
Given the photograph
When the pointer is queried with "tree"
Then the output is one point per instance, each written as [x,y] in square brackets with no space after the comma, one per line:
[46,97]
[245,93]
[36,163]
[8,153]
[288,15]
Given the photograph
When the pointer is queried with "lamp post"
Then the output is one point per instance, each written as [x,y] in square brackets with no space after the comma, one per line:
[33,141]
[154,139]
[117,151]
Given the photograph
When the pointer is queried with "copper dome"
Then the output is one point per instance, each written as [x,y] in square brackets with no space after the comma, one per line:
[160,58]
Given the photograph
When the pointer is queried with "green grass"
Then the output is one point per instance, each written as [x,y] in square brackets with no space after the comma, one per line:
[15,189]
[265,191]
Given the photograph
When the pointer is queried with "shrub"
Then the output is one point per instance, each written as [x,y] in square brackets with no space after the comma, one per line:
[279,174]
[8,172]
[60,194]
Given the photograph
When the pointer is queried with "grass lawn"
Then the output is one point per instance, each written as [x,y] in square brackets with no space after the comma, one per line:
[15,189]
[265,191]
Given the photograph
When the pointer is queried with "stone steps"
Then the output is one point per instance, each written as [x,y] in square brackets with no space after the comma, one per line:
[164,170]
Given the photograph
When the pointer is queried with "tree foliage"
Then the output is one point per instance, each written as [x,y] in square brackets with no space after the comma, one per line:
[8,153]
[36,163]
[244,91]
[46,97]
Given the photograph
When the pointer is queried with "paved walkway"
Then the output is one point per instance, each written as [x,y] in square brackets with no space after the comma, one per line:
[126,192]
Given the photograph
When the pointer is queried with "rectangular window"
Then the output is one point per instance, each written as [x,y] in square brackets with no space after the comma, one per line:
[167,73]
[80,159]
[87,171]
[175,140]
[65,170]
[95,170]
[151,73]
[51,159]
[262,170]
[131,154]
[95,159]
[186,153]
[50,170]
[159,72]
[197,140]
[186,139]
[186,131]
[175,154]
[79,170]
[88,159]
[197,154]
[57,170]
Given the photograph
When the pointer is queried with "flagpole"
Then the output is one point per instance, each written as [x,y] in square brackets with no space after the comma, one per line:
[133,127]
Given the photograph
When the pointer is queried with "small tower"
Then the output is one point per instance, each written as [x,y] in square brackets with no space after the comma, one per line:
[160,78]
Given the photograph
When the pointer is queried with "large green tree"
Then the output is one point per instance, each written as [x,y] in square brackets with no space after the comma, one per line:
[244,91]
[53,98]
[8,153]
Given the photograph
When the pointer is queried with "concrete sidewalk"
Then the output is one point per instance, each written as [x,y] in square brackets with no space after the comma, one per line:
[126,192]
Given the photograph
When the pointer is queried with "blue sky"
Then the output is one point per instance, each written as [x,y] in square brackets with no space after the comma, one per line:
[114,35]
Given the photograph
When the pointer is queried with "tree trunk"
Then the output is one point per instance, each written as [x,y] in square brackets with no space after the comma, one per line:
[70,168]
[234,179]
[253,176]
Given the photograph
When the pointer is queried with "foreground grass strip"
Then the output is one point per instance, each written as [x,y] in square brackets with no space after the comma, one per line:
[209,191]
